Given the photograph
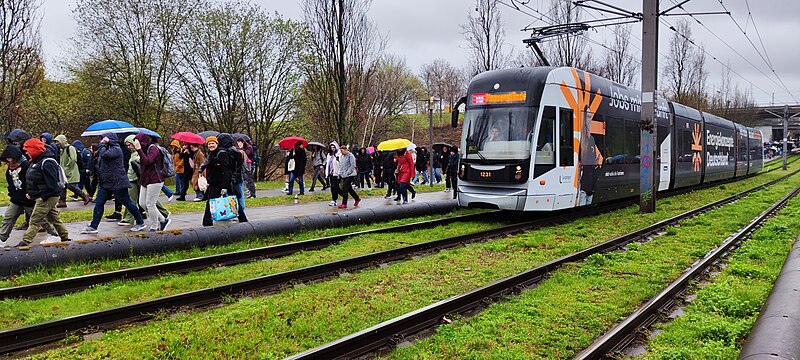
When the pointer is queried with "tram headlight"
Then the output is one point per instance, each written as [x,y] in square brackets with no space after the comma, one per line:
[463,168]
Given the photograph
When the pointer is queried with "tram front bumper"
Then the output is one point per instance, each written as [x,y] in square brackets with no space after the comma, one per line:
[492,198]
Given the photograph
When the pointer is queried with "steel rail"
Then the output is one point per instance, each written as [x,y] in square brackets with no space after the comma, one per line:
[22,338]
[625,332]
[391,332]
[74,284]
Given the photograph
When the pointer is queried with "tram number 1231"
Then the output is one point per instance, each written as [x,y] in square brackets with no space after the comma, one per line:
[485,174]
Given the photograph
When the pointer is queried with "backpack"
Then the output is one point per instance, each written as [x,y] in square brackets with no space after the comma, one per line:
[62,177]
[167,163]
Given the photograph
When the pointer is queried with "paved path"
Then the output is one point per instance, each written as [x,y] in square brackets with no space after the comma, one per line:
[190,220]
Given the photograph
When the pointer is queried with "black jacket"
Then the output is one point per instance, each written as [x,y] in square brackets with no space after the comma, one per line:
[42,177]
[388,161]
[422,160]
[363,162]
[218,170]
[300,160]
[17,185]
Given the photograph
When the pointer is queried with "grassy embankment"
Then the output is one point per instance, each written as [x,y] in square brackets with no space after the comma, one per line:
[561,316]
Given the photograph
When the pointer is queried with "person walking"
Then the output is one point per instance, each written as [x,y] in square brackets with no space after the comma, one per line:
[43,186]
[297,167]
[84,166]
[134,171]
[112,180]
[445,160]
[175,149]
[377,168]
[47,139]
[150,179]
[364,166]
[249,174]
[318,162]
[238,158]
[348,173]
[452,170]
[389,168]
[333,171]
[405,171]
[421,165]
[68,159]
[17,168]
[217,170]
[437,166]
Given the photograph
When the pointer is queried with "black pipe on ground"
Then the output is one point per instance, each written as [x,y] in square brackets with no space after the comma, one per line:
[775,333]
[15,261]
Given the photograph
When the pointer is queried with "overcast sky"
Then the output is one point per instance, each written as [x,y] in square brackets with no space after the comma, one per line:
[423,30]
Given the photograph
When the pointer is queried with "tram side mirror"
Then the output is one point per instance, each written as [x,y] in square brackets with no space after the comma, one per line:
[454,119]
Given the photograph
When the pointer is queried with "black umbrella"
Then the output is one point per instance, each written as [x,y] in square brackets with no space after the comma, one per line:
[207,133]
[313,144]
[438,147]
[18,136]
[238,136]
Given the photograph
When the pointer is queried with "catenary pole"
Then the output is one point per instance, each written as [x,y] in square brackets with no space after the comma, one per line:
[785,132]
[430,135]
[649,161]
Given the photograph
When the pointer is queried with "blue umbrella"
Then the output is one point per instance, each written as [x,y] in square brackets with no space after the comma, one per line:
[150,132]
[114,126]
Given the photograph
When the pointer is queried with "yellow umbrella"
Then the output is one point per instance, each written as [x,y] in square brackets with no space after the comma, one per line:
[394,144]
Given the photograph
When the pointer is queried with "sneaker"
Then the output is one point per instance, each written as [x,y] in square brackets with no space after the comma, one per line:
[124,223]
[51,240]
[21,227]
[342,206]
[397,199]
[114,217]
[61,204]
[332,203]
[170,198]
[180,198]
[405,201]
[387,196]
[197,199]
[413,195]
[356,203]
[311,190]
[163,225]
[21,246]
[89,230]
[139,227]
[447,190]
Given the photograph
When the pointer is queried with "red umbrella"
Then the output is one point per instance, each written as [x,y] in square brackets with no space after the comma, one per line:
[188,137]
[289,141]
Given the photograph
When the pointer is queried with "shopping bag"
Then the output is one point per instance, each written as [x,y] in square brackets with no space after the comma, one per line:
[223,208]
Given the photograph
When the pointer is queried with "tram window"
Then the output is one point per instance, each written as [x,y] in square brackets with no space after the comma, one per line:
[632,137]
[545,150]
[615,144]
[565,136]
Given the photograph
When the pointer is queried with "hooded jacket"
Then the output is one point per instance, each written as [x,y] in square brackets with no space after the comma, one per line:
[405,167]
[68,158]
[111,168]
[151,161]
[237,157]
[43,176]
[176,156]
[218,169]
[48,143]
[17,185]
[85,155]
[348,165]
[332,165]
[134,164]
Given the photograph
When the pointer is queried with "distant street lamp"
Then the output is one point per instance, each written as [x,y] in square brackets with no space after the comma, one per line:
[430,133]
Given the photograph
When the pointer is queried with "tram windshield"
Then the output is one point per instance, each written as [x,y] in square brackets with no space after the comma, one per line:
[499,133]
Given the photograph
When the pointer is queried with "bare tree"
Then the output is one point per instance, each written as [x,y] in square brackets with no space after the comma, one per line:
[684,74]
[393,90]
[443,80]
[21,65]
[569,49]
[620,63]
[344,48]
[485,37]
[135,41]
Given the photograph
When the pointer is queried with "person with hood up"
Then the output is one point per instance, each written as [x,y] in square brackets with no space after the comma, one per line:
[42,186]
[318,162]
[297,156]
[47,139]
[421,165]
[405,171]
[332,171]
[175,150]
[249,166]
[68,159]
[134,170]
[377,168]
[112,180]
[348,174]
[218,172]
[364,166]
[20,204]
[387,157]
[150,179]
[238,158]
[84,166]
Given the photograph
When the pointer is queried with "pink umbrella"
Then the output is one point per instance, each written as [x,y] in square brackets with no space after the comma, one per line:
[188,137]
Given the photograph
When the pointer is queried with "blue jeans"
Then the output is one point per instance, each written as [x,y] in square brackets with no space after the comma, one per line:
[240,196]
[437,174]
[122,196]
[178,183]
[167,191]
[424,175]
[299,179]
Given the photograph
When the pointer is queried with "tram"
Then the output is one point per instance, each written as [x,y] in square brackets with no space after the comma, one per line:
[545,139]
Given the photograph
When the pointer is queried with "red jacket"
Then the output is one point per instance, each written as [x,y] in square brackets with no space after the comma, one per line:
[405,168]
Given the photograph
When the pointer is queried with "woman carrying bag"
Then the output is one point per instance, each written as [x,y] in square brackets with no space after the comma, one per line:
[219,176]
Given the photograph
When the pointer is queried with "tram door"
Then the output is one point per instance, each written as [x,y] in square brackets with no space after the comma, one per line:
[566,190]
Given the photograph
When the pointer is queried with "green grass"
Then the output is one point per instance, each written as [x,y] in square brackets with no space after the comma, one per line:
[718,320]
[574,306]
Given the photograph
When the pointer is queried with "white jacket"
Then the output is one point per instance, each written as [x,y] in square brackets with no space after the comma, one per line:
[337,166]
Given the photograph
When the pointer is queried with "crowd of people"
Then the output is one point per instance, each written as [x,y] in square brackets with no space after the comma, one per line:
[131,169]
[343,169]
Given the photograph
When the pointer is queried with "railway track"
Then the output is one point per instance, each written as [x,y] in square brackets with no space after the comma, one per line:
[388,334]
[628,330]
[22,338]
